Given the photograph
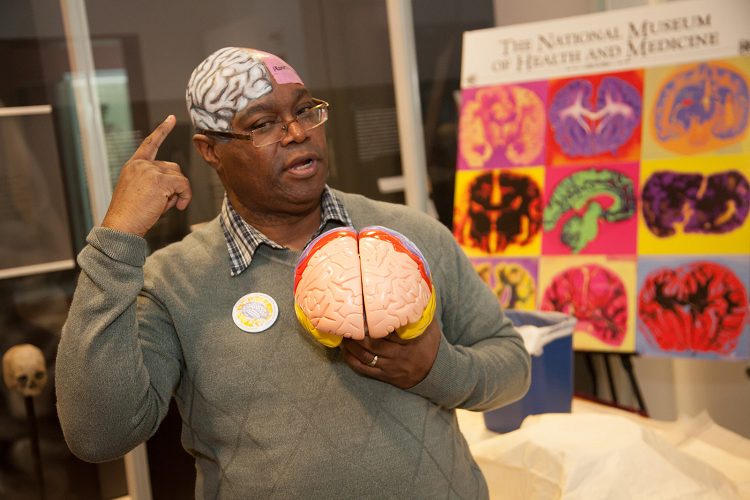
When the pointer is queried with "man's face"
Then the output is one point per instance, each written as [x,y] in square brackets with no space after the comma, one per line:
[285,178]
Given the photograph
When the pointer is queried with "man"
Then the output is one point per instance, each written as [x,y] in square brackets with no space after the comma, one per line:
[272,413]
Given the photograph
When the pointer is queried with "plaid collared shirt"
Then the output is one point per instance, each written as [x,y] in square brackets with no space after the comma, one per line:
[243,239]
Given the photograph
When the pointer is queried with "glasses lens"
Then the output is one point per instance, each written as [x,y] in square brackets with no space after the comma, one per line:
[269,135]
[313,117]
[276,132]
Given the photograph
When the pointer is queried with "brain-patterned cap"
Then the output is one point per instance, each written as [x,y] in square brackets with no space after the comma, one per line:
[375,282]
[228,80]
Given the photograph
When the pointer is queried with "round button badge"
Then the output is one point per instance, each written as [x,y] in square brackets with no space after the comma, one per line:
[255,312]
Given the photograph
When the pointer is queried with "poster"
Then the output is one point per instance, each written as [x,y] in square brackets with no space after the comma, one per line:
[604,160]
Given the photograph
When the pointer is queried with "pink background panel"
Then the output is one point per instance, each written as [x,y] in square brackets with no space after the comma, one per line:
[613,238]
[498,158]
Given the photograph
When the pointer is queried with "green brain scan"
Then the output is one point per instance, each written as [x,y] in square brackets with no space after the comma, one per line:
[599,194]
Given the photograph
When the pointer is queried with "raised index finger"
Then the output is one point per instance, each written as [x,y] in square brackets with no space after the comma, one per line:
[150,145]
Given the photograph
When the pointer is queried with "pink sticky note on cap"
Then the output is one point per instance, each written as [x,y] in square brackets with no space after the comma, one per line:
[281,71]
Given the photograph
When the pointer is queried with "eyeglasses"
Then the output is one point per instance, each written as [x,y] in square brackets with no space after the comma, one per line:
[274,132]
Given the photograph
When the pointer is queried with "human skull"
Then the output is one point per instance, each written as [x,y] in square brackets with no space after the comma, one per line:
[24,370]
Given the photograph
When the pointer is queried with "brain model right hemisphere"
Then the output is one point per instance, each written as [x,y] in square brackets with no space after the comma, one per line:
[579,192]
[713,204]
[596,296]
[509,119]
[584,127]
[701,108]
[375,282]
[701,306]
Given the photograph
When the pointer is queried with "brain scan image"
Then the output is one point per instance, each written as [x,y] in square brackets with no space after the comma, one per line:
[375,282]
[699,307]
[511,281]
[584,200]
[700,108]
[502,126]
[596,296]
[498,208]
[592,117]
[515,287]
[717,203]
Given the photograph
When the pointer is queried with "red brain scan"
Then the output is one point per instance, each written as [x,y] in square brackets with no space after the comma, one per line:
[509,119]
[701,108]
[589,121]
[701,307]
[502,208]
[596,296]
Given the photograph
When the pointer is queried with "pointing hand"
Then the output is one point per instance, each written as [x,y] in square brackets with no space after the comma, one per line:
[147,188]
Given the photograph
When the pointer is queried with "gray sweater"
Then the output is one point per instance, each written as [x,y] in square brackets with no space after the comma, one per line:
[276,414]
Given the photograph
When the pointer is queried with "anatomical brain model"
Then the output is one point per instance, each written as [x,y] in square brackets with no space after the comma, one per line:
[376,282]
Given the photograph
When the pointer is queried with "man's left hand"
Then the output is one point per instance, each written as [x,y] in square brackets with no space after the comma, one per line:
[403,363]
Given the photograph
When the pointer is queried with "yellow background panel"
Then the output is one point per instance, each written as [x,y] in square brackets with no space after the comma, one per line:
[736,241]
[624,267]
[462,223]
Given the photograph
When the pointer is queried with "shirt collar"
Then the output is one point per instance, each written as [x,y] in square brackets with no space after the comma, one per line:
[243,239]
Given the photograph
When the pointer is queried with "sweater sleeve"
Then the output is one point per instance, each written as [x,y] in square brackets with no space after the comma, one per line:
[119,357]
[481,363]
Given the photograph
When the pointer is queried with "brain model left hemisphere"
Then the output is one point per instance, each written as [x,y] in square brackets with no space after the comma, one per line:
[374,282]
[508,120]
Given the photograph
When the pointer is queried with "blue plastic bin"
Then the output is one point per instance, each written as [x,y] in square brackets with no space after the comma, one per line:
[551,389]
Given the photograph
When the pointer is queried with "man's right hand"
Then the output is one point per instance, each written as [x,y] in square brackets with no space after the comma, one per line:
[147,188]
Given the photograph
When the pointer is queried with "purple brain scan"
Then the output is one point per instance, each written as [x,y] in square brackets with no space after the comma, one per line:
[707,204]
[590,120]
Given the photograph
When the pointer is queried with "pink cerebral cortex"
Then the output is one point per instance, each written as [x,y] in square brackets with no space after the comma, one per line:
[596,296]
[330,291]
[395,293]
[588,121]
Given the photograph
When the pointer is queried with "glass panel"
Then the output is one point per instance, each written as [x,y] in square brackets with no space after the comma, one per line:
[438,28]
[34,231]
[339,48]
[44,219]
